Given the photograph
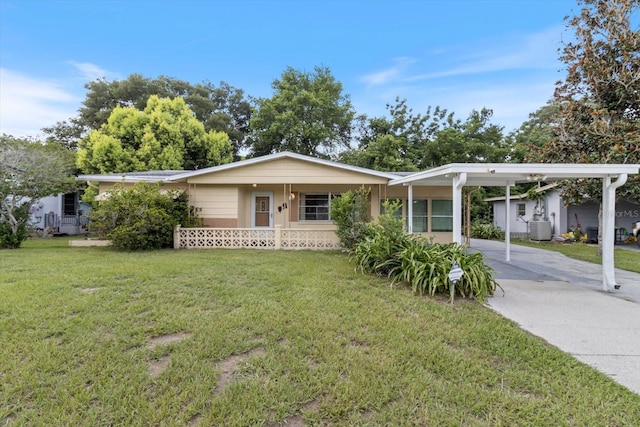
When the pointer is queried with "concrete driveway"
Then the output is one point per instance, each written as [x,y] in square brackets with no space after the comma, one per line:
[561,300]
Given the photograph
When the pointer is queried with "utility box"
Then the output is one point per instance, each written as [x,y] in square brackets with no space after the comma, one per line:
[592,234]
[540,230]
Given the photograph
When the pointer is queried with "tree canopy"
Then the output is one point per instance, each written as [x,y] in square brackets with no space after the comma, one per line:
[165,135]
[598,118]
[406,141]
[307,114]
[222,108]
[29,171]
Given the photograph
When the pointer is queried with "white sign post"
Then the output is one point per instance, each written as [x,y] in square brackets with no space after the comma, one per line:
[454,275]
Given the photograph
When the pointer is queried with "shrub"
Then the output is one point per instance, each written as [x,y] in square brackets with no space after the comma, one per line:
[486,231]
[350,212]
[10,239]
[140,217]
[384,238]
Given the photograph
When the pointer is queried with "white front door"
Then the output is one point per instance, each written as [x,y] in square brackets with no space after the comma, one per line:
[262,210]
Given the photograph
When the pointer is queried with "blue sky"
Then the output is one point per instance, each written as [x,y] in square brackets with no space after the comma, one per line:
[456,54]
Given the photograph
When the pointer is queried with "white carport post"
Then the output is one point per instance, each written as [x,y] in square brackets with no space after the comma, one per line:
[459,180]
[608,229]
[507,222]
[410,209]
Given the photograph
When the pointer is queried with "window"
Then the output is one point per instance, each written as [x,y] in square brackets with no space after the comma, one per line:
[442,215]
[315,207]
[419,216]
[521,209]
[69,204]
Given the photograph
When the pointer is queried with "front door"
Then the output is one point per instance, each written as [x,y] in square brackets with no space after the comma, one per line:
[262,215]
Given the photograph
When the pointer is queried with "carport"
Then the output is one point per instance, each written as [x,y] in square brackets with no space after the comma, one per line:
[459,175]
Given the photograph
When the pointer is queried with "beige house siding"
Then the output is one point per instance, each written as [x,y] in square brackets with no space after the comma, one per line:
[217,206]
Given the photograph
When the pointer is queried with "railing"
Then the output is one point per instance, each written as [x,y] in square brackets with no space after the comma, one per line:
[273,238]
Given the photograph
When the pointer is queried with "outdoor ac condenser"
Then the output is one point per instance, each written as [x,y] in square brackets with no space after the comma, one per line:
[540,230]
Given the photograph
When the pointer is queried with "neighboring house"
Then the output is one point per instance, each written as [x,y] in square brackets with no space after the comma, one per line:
[64,213]
[549,207]
[291,191]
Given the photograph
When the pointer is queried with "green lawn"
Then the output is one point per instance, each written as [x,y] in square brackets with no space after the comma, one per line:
[94,337]
[623,259]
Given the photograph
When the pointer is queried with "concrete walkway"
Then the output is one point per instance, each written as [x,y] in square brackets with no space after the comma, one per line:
[561,300]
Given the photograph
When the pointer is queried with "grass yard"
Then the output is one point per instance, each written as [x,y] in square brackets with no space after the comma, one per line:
[94,337]
[624,259]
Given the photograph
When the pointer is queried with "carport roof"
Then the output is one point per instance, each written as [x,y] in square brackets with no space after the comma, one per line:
[497,174]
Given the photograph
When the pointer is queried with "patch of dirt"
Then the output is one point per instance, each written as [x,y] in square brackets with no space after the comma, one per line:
[359,345]
[89,290]
[195,419]
[8,419]
[157,367]
[166,339]
[228,367]
[298,420]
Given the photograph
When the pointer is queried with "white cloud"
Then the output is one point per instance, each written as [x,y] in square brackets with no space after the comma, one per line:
[27,104]
[91,72]
[390,74]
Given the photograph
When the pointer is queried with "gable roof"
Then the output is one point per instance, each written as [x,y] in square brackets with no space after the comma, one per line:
[277,156]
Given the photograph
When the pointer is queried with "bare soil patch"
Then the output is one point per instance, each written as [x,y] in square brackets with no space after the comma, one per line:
[229,365]
[167,339]
[89,290]
[156,367]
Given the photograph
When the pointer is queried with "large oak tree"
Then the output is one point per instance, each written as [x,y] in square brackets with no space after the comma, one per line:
[307,114]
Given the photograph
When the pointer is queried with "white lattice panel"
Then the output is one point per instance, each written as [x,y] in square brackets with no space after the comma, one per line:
[232,238]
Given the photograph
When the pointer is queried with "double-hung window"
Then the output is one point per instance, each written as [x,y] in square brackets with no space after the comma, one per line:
[441,215]
[315,206]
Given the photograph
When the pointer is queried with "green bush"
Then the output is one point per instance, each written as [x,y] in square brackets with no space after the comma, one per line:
[350,212]
[486,231]
[384,238]
[140,217]
[9,239]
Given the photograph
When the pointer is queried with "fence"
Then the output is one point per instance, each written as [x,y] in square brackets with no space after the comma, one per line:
[273,238]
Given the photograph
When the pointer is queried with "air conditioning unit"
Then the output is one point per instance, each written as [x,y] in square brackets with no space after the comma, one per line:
[540,230]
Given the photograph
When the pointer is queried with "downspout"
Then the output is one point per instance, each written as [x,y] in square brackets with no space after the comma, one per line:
[459,180]
[608,226]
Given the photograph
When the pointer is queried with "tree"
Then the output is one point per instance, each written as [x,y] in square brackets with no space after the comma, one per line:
[397,142]
[222,108]
[476,140]
[598,118]
[164,136]
[307,114]
[29,171]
